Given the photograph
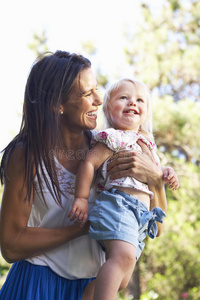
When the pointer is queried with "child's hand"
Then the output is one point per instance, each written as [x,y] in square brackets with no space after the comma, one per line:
[170,178]
[79,211]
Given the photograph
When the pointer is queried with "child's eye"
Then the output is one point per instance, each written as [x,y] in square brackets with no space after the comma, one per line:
[123,97]
[140,100]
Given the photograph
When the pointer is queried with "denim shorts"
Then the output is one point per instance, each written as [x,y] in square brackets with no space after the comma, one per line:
[118,215]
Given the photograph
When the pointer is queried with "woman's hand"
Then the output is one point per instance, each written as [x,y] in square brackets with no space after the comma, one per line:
[141,166]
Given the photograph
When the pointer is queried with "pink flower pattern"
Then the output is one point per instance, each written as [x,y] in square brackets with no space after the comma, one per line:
[118,140]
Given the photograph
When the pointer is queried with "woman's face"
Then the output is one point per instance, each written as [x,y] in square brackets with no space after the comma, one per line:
[80,110]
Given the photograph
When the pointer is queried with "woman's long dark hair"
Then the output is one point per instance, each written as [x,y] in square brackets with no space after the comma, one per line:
[49,85]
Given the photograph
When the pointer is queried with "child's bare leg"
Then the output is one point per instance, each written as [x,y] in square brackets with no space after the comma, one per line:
[116,271]
[88,292]
[126,279]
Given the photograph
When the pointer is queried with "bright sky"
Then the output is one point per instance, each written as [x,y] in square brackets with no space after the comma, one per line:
[67,24]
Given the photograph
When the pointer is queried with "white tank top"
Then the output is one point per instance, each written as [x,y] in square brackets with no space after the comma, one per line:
[79,258]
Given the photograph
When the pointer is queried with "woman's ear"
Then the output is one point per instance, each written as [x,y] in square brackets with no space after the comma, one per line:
[55,109]
[61,109]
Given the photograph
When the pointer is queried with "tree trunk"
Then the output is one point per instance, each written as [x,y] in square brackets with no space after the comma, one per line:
[134,284]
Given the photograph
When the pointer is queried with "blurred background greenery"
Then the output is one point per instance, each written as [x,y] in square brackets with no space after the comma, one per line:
[163,51]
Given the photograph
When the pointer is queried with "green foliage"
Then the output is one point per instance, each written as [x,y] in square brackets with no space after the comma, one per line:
[170,265]
[39,43]
[172,261]
[164,51]
[179,127]
[123,297]
[4,268]
[89,47]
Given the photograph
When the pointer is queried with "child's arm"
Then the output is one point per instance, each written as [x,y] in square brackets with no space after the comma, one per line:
[94,159]
[170,178]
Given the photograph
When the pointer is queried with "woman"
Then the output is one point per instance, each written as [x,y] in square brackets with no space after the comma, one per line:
[54,257]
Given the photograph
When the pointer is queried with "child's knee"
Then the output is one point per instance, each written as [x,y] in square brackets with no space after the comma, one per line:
[128,258]
[123,255]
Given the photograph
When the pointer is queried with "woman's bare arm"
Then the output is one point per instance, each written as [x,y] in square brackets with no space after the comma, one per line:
[18,241]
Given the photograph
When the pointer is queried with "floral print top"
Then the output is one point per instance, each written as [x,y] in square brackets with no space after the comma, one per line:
[119,140]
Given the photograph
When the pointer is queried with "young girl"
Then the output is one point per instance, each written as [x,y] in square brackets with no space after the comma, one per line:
[120,218]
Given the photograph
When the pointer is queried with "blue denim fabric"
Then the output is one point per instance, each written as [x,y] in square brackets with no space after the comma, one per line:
[150,217]
[118,215]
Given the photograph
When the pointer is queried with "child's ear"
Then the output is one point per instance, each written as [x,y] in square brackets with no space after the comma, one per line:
[106,112]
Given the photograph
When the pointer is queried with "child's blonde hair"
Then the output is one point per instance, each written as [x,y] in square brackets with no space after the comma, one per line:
[147,127]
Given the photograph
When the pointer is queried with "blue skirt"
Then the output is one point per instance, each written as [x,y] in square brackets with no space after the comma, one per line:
[26,281]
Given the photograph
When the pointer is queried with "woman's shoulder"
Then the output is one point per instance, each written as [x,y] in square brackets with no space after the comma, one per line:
[15,154]
[13,165]
[14,161]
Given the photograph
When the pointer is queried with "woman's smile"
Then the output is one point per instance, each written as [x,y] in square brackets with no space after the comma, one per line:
[92,114]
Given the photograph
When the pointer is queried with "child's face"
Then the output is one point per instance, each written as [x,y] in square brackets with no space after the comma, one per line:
[128,107]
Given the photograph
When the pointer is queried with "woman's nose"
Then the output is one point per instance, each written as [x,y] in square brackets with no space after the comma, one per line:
[98,99]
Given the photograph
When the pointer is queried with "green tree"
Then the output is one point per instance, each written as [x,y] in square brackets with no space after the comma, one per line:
[164,52]
[170,264]
[39,43]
